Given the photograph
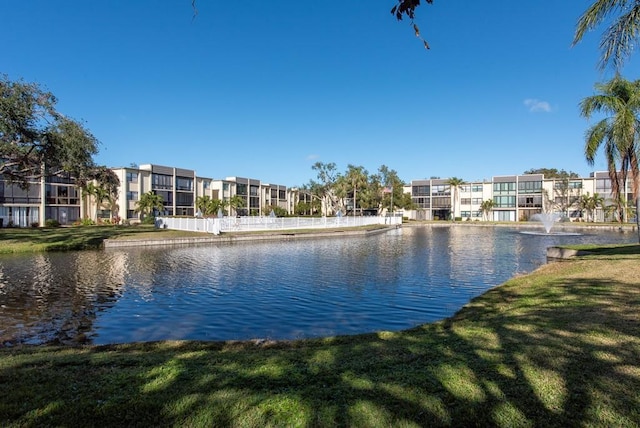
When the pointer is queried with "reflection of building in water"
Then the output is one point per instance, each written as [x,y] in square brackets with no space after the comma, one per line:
[112,267]
[53,298]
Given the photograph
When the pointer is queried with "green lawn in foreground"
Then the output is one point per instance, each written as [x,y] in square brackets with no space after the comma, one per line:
[13,240]
[559,347]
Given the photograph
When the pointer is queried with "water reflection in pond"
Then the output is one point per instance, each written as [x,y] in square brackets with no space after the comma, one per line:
[278,290]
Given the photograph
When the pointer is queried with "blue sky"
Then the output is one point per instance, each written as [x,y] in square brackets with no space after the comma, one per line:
[264,89]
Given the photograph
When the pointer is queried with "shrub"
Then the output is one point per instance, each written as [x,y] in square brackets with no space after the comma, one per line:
[87,222]
[51,222]
[149,220]
[35,224]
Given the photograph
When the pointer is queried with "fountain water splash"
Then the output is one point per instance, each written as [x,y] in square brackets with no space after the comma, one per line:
[547,220]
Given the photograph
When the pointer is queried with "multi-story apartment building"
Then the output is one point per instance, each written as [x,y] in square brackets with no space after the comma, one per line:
[514,197]
[180,188]
[56,198]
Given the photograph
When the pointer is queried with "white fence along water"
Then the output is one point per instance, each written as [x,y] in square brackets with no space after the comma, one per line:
[252,224]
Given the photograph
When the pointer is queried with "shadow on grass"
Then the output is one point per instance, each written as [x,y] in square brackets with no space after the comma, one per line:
[565,353]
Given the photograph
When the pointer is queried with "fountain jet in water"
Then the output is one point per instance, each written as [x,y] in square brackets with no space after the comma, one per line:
[547,220]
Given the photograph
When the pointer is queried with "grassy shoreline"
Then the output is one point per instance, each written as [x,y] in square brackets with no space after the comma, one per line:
[557,347]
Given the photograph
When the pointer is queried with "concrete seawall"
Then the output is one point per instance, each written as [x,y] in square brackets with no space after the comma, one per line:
[558,253]
[232,238]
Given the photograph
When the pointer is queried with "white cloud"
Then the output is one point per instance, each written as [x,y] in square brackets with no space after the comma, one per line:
[312,157]
[536,106]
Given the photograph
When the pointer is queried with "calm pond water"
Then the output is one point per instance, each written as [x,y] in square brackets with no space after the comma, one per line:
[277,290]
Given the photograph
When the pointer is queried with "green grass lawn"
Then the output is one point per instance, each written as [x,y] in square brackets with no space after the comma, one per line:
[558,347]
[14,240]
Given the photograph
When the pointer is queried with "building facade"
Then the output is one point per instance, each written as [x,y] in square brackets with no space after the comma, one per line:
[56,198]
[180,189]
[513,197]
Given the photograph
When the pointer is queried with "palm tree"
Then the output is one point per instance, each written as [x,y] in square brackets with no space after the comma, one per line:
[208,206]
[455,184]
[620,37]
[618,133]
[590,204]
[147,203]
[486,207]
[236,202]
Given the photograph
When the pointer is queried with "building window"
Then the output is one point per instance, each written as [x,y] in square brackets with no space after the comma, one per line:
[504,201]
[603,186]
[530,186]
[185,184]
[206,184]
[441,202]
[184,199]
[132,177]
[575,185]
[507,188]
[132,196]
[253,190]
[282,194]
[161,181]
[241,189]
[442,190]
[421,202]
[421,191]
[530,201]
[476,188]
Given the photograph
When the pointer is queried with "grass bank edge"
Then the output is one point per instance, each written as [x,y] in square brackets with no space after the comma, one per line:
[455,371]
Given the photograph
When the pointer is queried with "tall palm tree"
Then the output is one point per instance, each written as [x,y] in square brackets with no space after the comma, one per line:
[486,207]
[622,34]
[618,133]
[455,184]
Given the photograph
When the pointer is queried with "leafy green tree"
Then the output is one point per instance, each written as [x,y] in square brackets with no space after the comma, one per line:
[618,133]
[552,173]
[147,203]
[356,177]
[36,140]
[393,192]
[324,188]
[622,34]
